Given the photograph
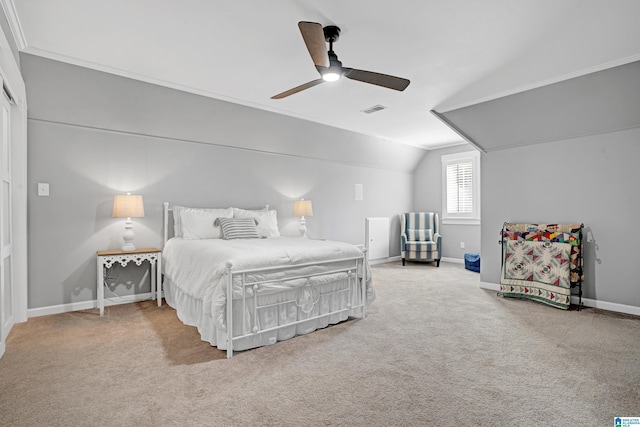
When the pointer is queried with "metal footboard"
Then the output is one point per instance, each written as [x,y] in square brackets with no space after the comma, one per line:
[355,269]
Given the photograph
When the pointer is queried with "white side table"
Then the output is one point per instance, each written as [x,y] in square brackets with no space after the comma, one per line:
[107,258]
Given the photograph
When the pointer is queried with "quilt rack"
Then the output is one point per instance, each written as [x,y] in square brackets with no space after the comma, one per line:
[542,262]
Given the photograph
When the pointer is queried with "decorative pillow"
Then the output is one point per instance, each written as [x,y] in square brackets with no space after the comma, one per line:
[267,220]
[420,234]
[198,223]
[238,228]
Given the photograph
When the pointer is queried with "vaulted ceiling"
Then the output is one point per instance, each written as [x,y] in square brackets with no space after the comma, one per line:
[456,53]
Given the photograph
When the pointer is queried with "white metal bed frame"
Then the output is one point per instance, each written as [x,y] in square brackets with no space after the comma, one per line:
[350,266]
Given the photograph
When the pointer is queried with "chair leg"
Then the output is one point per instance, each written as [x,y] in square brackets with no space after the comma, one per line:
[437,263]
[403,262]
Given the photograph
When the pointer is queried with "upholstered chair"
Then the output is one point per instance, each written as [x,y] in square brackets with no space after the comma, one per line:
[420,239]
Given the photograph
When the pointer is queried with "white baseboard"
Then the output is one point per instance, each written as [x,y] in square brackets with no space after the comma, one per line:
[384,260]
[489,286]
[610,306]
[86,305]
[399,258]
[587,302]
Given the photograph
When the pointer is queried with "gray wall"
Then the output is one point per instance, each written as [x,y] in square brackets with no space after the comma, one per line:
[92,135]
[428,197]
[591,180]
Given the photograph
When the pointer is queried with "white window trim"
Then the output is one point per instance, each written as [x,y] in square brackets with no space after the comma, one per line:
[462,219]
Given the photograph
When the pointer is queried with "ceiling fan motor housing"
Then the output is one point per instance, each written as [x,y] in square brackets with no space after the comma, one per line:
[333,59]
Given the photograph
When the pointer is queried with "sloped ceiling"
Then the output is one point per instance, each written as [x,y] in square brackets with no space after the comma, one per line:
[605,101]
[456,53]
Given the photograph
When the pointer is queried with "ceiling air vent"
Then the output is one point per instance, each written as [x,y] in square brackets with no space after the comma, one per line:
[374,109]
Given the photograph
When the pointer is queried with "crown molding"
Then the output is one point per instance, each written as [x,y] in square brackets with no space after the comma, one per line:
[14,23]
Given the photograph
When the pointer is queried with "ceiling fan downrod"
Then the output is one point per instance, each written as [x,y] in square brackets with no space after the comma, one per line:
[335,71]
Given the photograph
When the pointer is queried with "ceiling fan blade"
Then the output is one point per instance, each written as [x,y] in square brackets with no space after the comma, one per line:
[297,89]
[313,36]
[377,79]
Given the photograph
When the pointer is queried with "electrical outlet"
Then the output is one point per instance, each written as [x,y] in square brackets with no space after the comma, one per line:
[43,189]
[461,245]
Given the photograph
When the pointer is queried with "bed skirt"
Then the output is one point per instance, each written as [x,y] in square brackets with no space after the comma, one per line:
[277,309]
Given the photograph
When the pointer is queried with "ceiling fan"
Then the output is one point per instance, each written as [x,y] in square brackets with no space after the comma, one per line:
[328,65]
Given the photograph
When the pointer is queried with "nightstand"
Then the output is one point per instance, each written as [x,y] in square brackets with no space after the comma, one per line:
[106,259]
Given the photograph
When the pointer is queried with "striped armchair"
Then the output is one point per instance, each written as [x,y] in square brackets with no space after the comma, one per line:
[420,239]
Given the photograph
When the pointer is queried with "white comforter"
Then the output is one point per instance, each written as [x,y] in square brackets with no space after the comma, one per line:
[197,267]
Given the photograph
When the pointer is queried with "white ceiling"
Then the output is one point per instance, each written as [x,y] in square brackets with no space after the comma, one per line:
[455,52]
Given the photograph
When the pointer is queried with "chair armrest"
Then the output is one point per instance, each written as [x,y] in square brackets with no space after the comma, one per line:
[403,240]
[438,238]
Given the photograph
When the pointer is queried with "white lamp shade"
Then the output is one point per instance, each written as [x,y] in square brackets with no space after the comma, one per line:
[128,206]
[302,208]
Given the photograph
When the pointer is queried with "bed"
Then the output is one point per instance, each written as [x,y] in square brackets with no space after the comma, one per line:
[280,287]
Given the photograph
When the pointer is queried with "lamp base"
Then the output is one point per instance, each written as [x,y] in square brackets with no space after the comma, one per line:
[303,227]
[128,236]
[128,247]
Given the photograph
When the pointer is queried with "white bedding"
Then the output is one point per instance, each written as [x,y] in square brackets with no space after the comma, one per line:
[195,270]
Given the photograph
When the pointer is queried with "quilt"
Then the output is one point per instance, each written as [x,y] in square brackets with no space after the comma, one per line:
[538,270]
[557,233]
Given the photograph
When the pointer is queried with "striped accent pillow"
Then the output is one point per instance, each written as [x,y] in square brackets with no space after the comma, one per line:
[238,228]
[420,234]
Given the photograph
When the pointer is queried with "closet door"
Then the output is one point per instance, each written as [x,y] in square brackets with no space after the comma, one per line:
[7,290]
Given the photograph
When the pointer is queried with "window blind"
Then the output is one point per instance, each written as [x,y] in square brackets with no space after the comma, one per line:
[460,187]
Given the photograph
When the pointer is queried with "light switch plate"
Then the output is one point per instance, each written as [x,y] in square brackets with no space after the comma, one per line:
[358,192]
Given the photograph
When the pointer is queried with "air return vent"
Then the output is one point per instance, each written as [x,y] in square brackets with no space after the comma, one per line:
[374,109]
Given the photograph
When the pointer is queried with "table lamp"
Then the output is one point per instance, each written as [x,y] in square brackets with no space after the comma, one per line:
[303,208]
[128,206]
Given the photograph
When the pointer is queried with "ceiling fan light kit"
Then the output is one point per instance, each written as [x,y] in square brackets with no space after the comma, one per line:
[331,76]
[330,67]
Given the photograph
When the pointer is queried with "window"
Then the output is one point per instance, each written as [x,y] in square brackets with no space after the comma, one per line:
[461,188]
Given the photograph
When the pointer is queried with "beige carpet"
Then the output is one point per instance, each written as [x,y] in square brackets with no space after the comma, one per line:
[434,350]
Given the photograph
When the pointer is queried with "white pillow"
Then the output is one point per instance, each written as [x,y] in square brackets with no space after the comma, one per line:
[266,208]
[198,223]
[267,220]
[177,227]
